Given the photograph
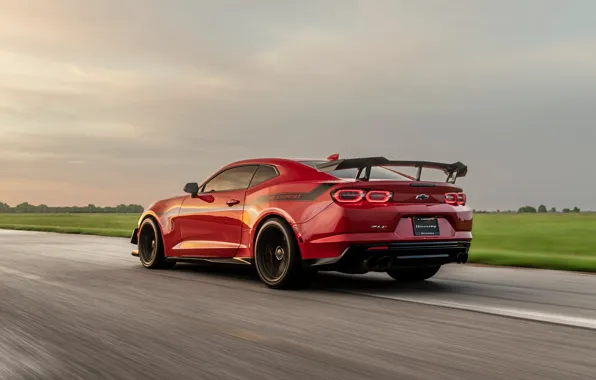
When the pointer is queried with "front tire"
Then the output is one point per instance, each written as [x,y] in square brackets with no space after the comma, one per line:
[151,250]
[277,256]
[413,274]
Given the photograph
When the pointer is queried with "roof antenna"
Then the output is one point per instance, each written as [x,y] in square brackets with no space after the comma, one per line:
[333,157]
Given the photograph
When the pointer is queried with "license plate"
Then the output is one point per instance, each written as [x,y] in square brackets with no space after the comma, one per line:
[426,226]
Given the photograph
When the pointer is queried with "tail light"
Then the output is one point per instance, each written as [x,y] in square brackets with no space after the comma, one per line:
[461,199]
[357,195]
[377,196]
[451,198]
[456,199]
[348,196]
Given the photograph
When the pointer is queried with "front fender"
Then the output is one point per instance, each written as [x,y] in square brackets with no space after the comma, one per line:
[134,239]
[165,213]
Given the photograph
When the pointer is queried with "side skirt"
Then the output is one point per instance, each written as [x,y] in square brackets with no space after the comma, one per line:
[193,259]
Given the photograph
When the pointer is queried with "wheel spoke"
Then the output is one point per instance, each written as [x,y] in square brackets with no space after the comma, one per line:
[274,254]
[147,245]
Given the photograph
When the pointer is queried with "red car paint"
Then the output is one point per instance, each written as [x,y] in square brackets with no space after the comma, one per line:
[224,224]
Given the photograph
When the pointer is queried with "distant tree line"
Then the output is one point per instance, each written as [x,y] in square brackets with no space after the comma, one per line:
[542,209]
[26,208]
[531,209]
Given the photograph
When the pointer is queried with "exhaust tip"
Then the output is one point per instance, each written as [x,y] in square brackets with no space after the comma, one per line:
[372,263]
[464,258]
[385,262]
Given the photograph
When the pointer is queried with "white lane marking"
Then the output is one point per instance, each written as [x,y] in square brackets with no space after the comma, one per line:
[560,319]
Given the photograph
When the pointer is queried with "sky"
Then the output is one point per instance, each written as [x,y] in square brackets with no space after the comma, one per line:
[125,101]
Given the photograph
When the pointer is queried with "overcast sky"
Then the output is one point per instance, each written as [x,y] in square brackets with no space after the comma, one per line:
[124,101]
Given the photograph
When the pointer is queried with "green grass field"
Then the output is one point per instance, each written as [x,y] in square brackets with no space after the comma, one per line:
[552,241]
[118,225]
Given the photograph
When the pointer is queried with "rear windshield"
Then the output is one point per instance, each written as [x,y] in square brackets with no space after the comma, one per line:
[377,173]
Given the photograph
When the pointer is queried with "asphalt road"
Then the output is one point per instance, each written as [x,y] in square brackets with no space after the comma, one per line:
[80,307]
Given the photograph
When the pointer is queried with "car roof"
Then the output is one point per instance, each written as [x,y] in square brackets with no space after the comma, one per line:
[272,161]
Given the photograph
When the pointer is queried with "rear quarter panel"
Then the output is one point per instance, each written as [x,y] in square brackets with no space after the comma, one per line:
[296,202]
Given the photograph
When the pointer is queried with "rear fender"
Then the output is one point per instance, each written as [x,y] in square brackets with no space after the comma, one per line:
[251,236]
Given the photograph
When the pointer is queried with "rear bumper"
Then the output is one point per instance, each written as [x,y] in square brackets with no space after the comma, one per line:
[338,228]
[360,258]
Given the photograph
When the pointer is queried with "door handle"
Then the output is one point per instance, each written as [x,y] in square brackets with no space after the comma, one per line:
[232,202]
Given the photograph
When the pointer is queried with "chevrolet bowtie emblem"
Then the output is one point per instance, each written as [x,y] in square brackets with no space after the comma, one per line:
[422,197]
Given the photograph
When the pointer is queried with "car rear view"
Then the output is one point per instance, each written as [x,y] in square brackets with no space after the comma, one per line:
[386,221]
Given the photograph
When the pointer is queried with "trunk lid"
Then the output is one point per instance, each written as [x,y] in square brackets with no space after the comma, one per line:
[417,192]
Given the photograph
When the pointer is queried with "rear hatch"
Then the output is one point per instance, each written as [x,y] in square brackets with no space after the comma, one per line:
[378,173]
[383,197]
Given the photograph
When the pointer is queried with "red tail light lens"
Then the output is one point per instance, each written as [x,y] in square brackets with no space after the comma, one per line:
[451,198]
[348,196]
[357,195]
[461,199]
[455,199]
[378,196]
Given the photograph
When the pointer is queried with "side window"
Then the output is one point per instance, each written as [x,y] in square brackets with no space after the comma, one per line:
[232,179]
[264,173]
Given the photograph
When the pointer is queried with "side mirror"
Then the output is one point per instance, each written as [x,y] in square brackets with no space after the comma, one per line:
[192,188]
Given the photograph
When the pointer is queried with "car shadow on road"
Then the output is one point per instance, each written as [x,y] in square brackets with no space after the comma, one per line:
[228,271]
[326,281]
[376,283]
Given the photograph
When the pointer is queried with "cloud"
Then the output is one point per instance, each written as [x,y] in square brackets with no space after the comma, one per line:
[111,93]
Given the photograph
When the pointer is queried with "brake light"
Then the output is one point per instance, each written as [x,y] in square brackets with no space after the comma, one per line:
[461,199]
[348,195]
[455,199]
[378,196]
[357,195]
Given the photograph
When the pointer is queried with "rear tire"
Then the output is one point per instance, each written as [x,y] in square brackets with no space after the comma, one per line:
[151,250]
[413,274]
[277,257]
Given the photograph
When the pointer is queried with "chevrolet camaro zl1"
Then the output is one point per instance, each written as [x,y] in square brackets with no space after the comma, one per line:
[292,218]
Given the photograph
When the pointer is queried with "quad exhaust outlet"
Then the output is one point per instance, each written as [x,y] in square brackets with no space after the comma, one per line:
[384,263]
[381,264]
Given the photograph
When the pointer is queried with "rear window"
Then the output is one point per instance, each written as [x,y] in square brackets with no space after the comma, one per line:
[376,173]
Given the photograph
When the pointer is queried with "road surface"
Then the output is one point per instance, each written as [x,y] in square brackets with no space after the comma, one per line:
[80,307]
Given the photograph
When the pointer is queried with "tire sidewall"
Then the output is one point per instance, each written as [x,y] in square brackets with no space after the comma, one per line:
[155,258]
[294,255]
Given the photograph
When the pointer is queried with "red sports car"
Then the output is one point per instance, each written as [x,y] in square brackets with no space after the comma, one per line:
[293,218]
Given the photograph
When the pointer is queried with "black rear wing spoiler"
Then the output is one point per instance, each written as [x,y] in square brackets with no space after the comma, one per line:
[453,171]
